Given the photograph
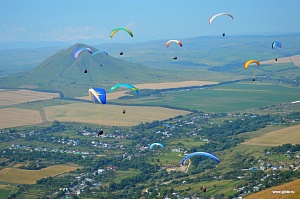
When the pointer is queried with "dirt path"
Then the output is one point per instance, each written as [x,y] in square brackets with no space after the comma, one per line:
[43,115]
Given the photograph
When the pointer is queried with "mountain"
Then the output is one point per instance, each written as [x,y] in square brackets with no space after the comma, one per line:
[23,59]
[61,72]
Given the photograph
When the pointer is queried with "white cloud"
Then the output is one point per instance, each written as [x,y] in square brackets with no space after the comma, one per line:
[11,33]
[71,33]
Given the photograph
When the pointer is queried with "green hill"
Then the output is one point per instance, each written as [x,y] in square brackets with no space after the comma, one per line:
[61,72]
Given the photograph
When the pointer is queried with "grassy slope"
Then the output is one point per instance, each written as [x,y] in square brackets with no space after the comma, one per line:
[280,191]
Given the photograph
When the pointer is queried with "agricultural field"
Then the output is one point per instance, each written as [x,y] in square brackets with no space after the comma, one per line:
[294,59]
[11,117]
[277,137]
[5,191]
[164,85]
[9,97]
[21,176]
[289,190]
[125,174]
[109,114]
[227,98]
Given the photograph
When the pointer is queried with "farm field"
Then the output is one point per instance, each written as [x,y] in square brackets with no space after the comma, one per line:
[277,137]
[9,97]
[280,192]
[109,114]
[117,94]
[11,117]
[227,98]
[21,176]
[294,59]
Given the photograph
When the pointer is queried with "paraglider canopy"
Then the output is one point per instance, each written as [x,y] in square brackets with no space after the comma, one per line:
[166,126]
[78,51]
[97,95]
[175,41]
[211,156]
[124,85]
[276,43]
[247,63]
[217,15]
[114,31]
[158,144]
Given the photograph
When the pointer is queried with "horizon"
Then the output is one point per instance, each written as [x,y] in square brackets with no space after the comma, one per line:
[92,22]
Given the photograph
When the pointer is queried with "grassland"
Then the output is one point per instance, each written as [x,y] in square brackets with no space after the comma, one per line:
[21,176]
[213,187]
[109,114]
[6,190]
[277,137]
[120,175]
[8,97]
[164,85]
[280,192]
[227,98]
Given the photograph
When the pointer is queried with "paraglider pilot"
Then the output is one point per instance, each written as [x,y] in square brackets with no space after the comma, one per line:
[100,132]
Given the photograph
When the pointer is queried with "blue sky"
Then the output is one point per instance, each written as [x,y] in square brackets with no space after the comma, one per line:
[91,21]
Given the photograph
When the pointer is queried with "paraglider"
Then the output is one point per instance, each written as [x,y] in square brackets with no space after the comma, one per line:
[100,132]
[247,63]
[154,144]
[124,85]
[213,157]
[114,31]
[217,15]
[175,41]
[274,44]
[97,95]
[78,51]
